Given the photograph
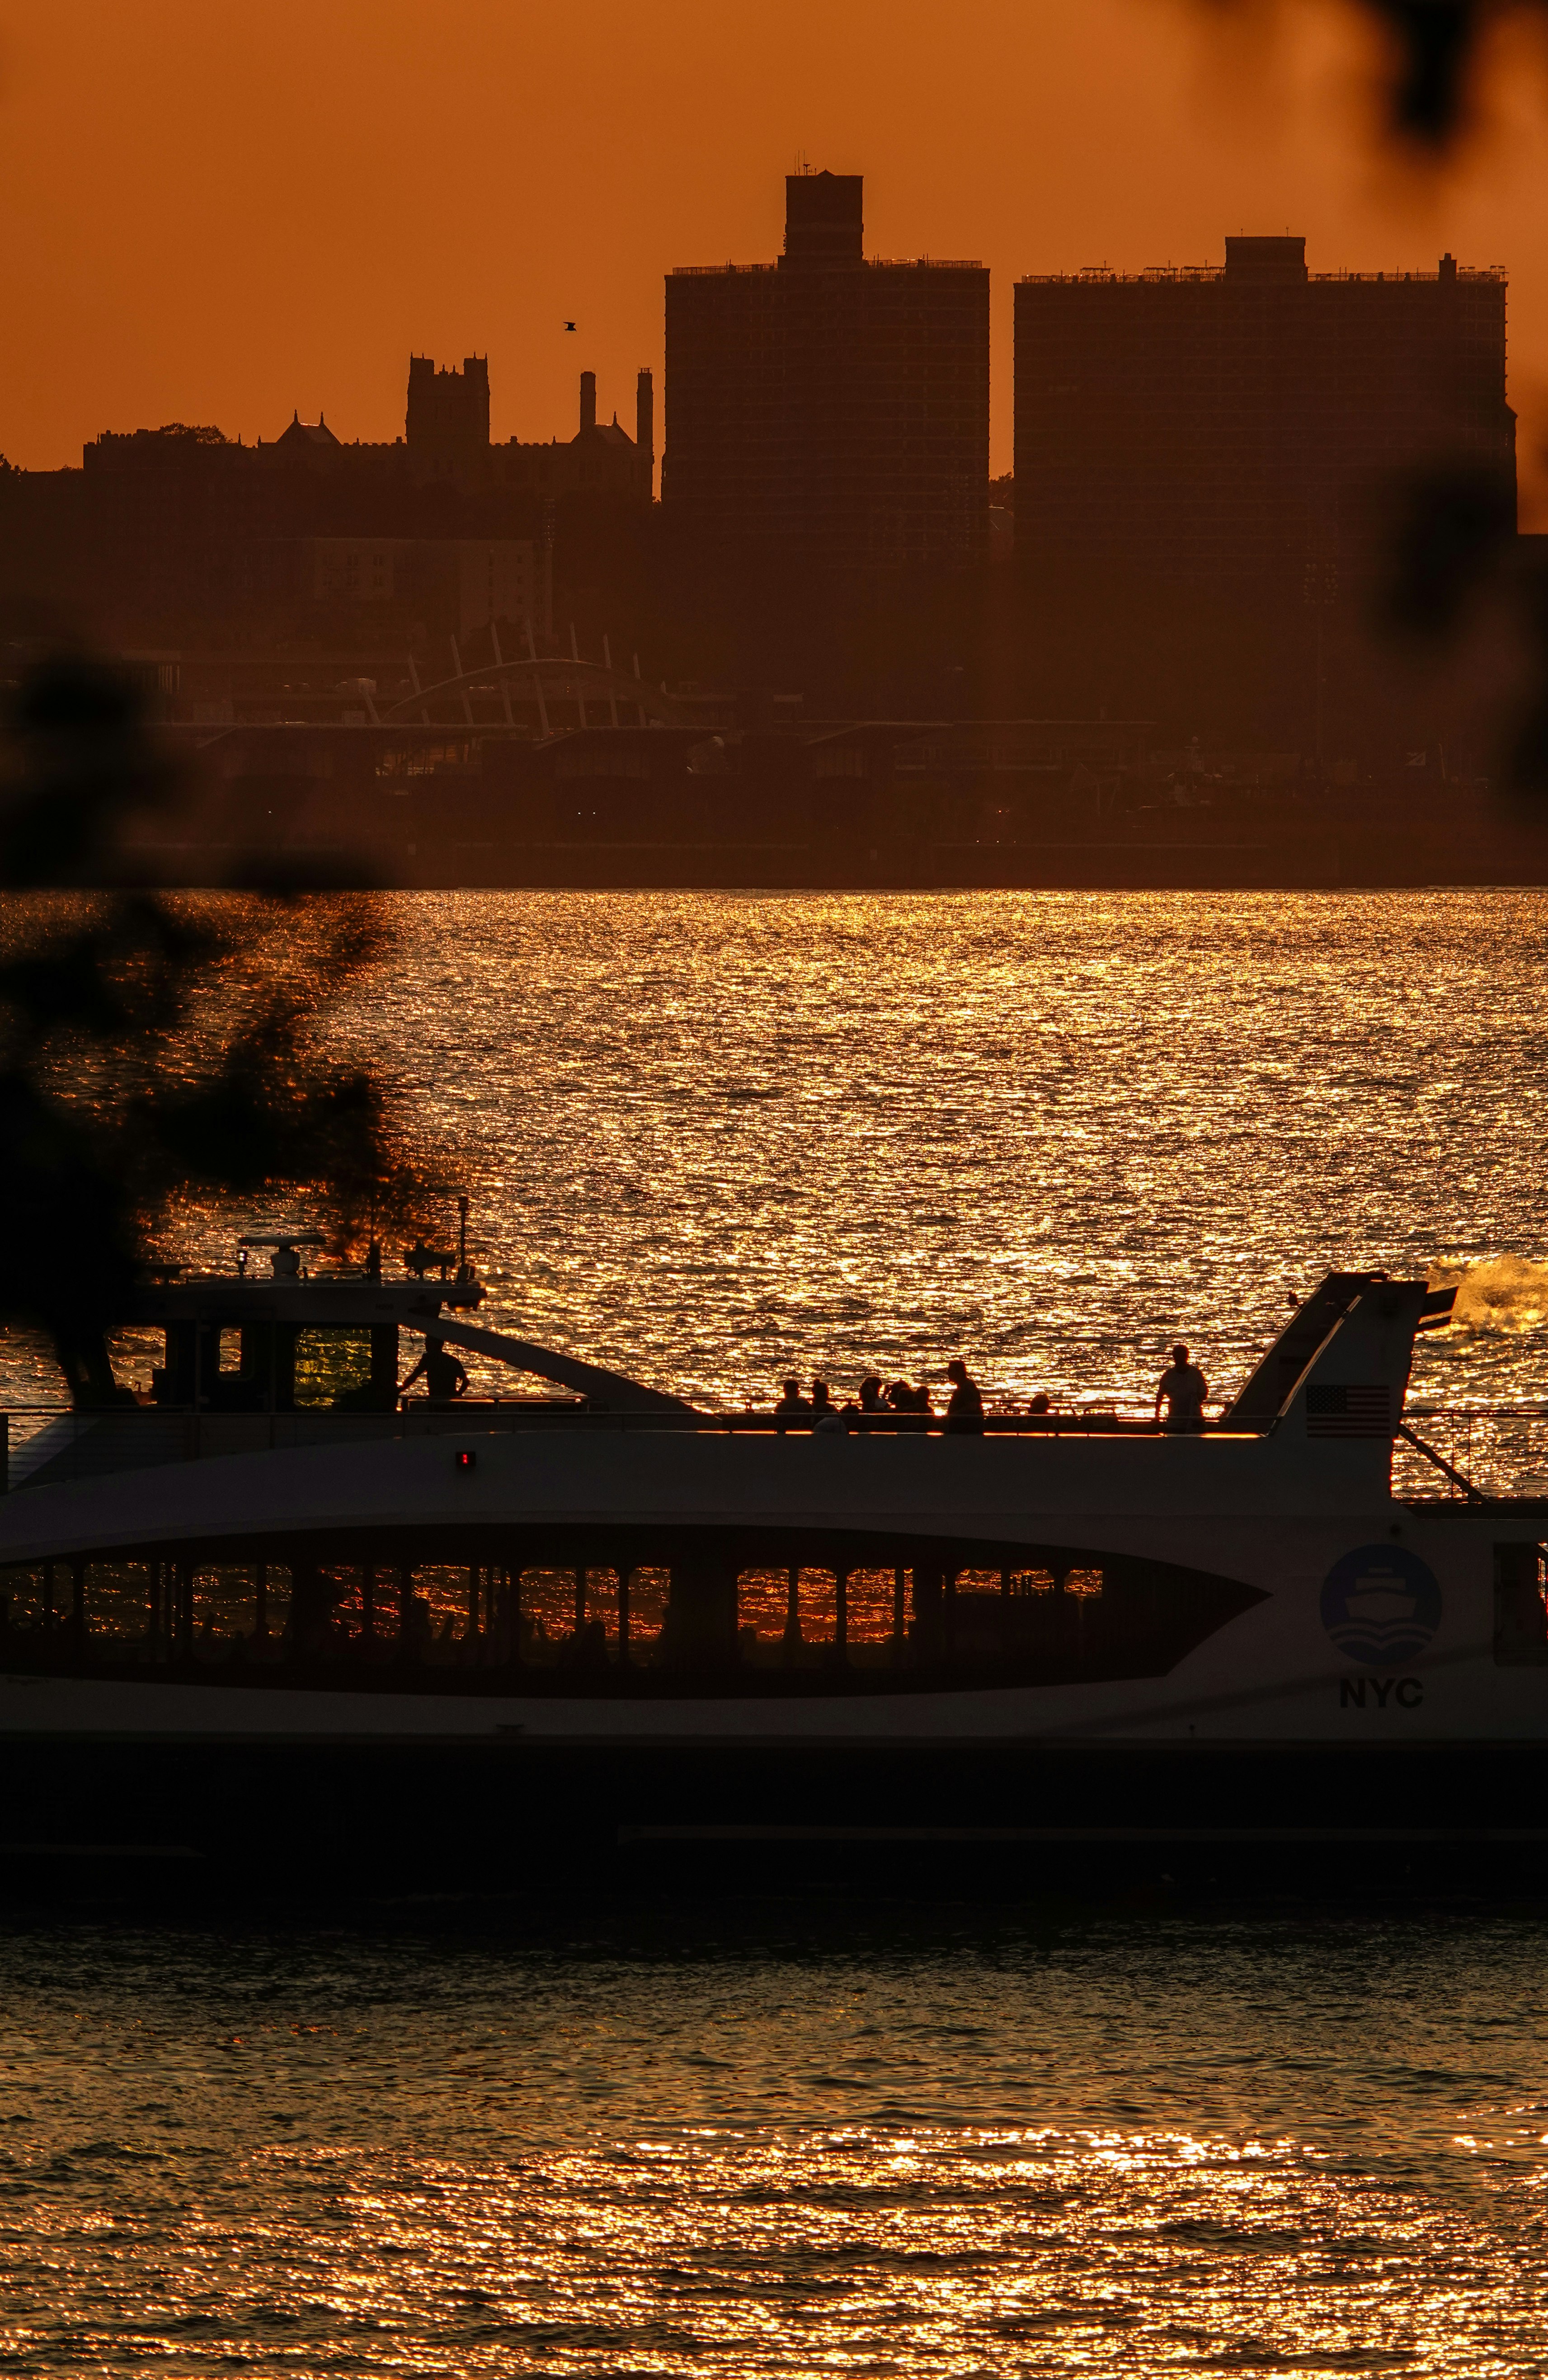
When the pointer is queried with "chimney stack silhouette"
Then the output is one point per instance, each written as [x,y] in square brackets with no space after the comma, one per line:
[645,417]
[588,400]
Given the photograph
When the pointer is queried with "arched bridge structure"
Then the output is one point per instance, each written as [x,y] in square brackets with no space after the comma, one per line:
[602,696]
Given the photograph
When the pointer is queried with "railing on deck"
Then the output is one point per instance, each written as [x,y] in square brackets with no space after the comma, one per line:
[41,1443]
[1500,1450]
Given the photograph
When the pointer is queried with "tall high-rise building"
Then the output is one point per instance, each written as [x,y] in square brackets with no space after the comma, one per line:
[831,405]
[1227,433]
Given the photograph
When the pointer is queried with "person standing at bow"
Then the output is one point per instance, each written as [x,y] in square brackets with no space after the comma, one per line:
[1182,1389]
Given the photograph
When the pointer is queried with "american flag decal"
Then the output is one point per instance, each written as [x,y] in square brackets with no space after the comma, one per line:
[1363,1411]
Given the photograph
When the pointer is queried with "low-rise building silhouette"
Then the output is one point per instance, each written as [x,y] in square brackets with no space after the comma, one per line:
[446,424]
[180,532]
[446,437]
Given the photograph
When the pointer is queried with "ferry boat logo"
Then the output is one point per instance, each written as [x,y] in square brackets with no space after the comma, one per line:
[1380,1605]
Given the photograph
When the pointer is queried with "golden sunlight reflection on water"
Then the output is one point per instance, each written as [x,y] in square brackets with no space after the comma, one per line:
[712,1138]
[794,2146]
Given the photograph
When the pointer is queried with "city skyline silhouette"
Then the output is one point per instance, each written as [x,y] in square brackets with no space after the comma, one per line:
[201,263]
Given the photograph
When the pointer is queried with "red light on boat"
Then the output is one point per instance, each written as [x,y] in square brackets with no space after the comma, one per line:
[465,1458]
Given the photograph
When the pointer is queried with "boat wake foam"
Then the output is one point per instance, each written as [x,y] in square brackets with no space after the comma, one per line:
[1504,1294]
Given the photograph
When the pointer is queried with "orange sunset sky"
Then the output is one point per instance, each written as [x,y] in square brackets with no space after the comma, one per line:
[218,213]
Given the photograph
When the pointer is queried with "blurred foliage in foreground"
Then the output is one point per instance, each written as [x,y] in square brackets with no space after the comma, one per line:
[152,1046]
[1454,550]
[1435,48]
[1437,45]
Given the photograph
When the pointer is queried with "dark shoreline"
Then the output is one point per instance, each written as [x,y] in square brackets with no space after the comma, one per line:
[1204,869]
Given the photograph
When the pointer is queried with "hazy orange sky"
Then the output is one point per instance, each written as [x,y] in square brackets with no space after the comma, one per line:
[216,213]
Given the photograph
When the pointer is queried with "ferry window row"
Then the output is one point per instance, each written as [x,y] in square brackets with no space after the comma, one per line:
[1054,1616]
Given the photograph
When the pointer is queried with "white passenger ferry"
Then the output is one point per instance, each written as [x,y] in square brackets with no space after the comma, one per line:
[267,1619]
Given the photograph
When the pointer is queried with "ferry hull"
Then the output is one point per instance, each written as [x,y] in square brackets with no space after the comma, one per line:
[240,1819]
[1036,1661]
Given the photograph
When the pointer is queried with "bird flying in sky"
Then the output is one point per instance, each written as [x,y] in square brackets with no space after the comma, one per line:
[569,326]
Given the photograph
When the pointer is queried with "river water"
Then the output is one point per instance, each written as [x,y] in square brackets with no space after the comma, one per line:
[712,1138]
[778,2141]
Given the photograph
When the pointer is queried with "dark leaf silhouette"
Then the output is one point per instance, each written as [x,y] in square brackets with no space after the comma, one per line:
[1452,531]
[1435,42]
[1435,47]
[151,1048]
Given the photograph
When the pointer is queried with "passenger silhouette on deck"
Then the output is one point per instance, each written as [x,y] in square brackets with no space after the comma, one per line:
[965,1412]
[871,1393]
[822,1401]
[792,1405]
[1182,1389]
[444,1376]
